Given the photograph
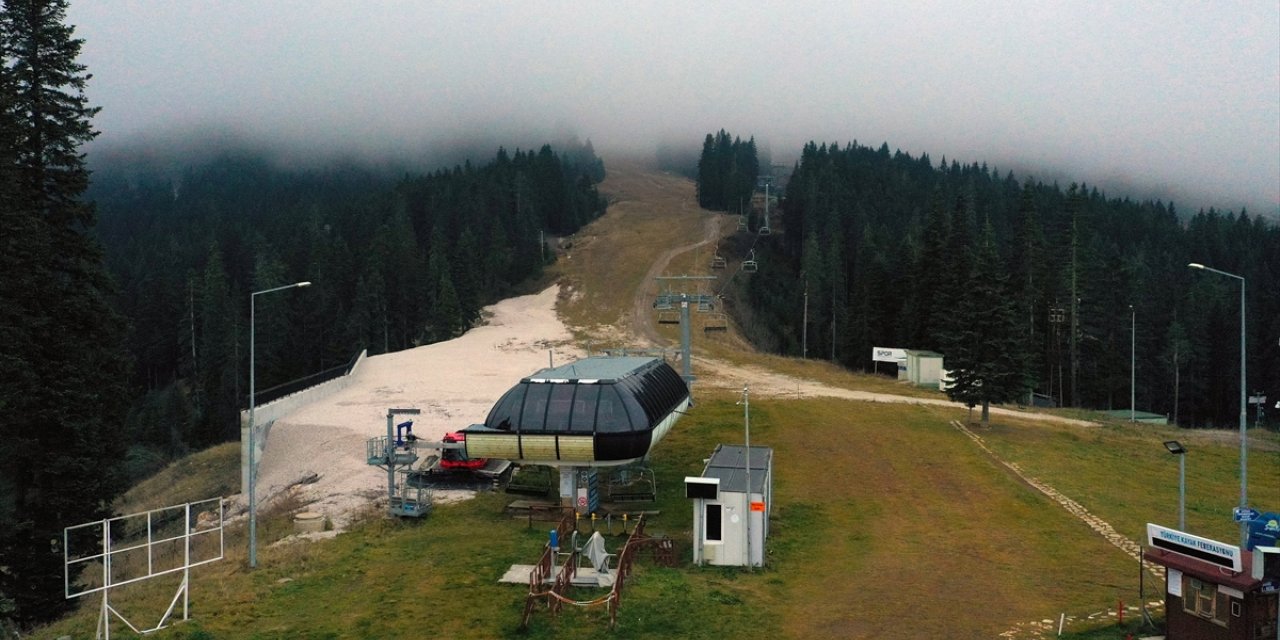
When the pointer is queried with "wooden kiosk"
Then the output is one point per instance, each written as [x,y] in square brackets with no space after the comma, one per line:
[1213,590]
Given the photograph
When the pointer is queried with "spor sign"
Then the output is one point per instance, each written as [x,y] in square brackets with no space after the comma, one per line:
[888,354]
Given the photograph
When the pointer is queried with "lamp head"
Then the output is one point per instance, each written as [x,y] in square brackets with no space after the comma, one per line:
[1175,447]
[1195,265]
[305,283]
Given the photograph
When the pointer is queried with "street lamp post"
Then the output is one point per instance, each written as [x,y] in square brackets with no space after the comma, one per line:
[1177,449]
[253,471]
[1133,370]
[804,324]
[1244,467]
[746,422]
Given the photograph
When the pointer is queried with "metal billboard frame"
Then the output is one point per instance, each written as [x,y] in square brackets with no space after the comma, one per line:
[101,531]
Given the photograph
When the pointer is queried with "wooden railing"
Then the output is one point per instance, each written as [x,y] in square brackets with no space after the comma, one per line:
[557,596]
[542,571]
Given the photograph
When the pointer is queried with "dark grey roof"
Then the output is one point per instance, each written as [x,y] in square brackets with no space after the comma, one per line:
[921,352]
[728,463]
[604,369]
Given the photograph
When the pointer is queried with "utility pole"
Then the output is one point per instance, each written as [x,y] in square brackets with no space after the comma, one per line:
[1133,371]
[804,350]
[1075,316]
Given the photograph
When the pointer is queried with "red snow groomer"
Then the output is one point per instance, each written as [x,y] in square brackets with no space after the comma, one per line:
[456,459]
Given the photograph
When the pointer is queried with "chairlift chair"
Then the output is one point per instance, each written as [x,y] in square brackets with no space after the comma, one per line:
[764,230]
[749,265]
[668,317]
[716,322]
[742,223]
[718,262]
[704,305]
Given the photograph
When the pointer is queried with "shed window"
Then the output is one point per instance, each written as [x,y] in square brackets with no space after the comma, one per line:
[1202,599]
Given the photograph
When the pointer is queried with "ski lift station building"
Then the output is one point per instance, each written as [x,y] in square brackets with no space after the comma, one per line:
[731,522]
[596,412]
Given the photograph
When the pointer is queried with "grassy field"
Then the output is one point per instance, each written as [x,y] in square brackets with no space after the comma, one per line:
[888,522]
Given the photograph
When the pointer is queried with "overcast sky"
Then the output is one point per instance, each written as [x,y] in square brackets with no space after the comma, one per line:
[1173,98]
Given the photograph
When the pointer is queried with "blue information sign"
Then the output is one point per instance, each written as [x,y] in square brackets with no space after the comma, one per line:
[1245,514]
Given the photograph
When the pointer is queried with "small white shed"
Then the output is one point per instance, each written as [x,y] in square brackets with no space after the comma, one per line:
[924,368]
[731,523]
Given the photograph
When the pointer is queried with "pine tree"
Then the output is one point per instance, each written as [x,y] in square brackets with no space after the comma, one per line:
[217,399]
[984,350]
[70,342]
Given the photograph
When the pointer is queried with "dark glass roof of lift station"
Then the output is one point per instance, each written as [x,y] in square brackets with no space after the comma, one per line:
[592,395]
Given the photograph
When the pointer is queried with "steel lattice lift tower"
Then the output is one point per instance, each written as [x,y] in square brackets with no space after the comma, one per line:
[675,292]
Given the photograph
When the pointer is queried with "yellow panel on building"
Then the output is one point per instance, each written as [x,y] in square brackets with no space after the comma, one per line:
[538,447]
[577,448]
[503,446]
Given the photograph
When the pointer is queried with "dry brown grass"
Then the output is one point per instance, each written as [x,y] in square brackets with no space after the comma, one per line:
[202,475]
[649,213]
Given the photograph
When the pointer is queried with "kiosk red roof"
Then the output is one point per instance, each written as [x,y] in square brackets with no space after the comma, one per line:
[1205,571]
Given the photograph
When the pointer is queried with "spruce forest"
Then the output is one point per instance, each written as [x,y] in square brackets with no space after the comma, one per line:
[393,263]
[895,251]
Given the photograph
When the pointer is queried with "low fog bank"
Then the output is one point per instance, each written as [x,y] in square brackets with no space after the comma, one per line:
[681,155]
[175,150]
[677,150]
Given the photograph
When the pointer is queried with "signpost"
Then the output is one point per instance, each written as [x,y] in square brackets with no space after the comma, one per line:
[888,354]
[1245,514]
[1259,400]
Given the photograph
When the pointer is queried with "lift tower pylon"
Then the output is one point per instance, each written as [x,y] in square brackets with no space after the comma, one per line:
[676,292]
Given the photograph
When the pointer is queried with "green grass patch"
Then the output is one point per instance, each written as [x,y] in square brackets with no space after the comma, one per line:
[887,523]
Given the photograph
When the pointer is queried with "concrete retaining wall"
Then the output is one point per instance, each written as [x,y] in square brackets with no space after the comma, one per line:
[265,415]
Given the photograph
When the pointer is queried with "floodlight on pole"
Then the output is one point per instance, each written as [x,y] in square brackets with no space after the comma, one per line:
[1244,447]
[252,462]
[1177,449]
[1133,370]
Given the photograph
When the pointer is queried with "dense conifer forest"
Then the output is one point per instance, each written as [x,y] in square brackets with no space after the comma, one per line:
[393,263]
[900,251]
[727,171]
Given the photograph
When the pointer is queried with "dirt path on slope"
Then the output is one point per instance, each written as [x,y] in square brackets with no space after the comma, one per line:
[717,374]
[642,307]
[637,185]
